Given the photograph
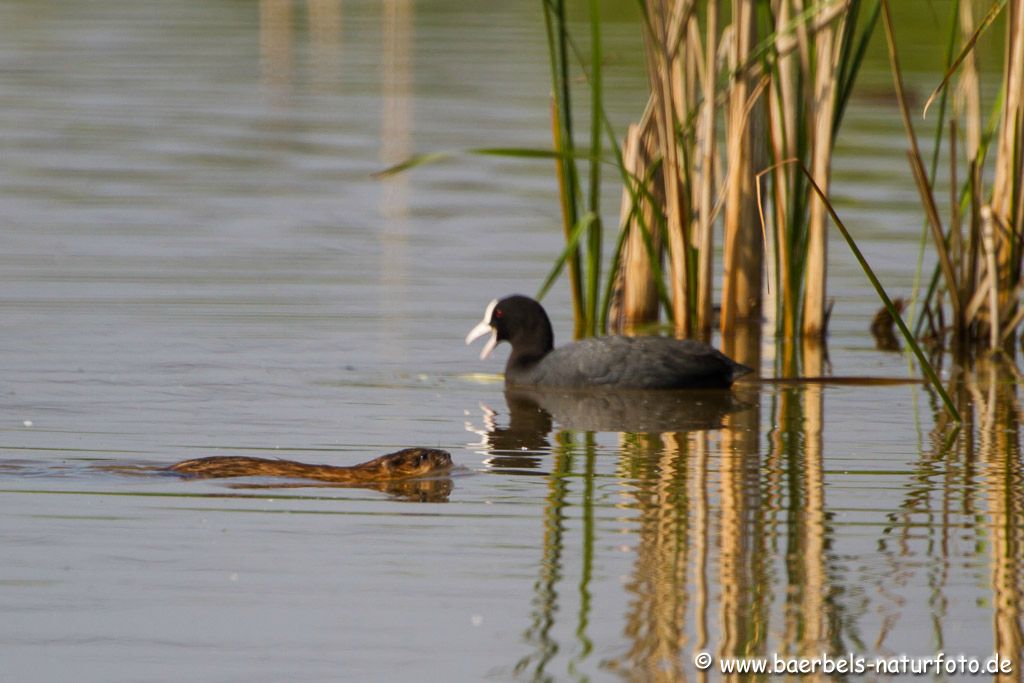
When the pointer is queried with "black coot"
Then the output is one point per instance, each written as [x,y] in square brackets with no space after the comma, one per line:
[613,362]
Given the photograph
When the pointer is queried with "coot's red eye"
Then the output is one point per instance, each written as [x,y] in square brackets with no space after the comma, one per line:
[498,313]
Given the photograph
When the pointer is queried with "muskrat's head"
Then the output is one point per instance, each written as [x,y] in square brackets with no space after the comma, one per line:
[411,462]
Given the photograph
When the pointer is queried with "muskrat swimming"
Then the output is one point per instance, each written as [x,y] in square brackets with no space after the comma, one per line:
[403,464]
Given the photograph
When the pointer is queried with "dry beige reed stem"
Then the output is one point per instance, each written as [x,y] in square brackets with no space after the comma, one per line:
[743,267]
[706,177]
[637,295]
[822,112]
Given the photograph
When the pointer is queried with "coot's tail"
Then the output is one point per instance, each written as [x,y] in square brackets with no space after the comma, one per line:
[738,370]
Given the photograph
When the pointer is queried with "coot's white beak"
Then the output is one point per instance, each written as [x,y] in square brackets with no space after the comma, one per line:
[483,328]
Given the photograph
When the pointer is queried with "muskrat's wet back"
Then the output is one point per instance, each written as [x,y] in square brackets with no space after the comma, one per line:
[403,464]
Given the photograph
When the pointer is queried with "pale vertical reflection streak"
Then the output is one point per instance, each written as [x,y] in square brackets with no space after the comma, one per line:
[731,548]
[671,547]
[396,112]
[546,599]
[276,45]
[999,439]
[811,519]
[741,622]
[698,481]
[812,528]
[324,42]
[395,145]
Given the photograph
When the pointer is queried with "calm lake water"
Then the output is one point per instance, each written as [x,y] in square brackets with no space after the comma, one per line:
[195,260]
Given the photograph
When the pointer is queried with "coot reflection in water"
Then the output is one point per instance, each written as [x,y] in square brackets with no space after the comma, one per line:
[634,411]
[534,413]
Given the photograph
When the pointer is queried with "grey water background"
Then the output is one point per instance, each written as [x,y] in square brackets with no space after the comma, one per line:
[195,260]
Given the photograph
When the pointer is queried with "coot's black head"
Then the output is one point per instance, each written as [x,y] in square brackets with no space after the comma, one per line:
[519,320]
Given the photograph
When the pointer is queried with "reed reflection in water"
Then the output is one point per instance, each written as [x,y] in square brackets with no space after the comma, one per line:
[737,546]
[984,460]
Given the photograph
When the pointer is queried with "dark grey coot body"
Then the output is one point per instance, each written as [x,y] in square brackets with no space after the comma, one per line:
[612,362]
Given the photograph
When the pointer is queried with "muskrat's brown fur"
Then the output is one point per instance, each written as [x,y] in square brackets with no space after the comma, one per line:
[403,464]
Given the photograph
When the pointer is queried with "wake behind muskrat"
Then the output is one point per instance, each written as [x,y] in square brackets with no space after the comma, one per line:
[404,464]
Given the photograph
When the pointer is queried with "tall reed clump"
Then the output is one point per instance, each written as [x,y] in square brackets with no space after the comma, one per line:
[670,158]
[979,278]
[815,56]
[774,80]
[680,176]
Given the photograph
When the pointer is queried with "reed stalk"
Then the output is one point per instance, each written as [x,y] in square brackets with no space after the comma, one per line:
[784,141]
[636,303]
[706,179]
[821,110]
[741,288]
[563,144]
[594,188]
[1007,206]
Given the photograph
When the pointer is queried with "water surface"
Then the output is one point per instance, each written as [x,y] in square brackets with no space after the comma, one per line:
[195,260]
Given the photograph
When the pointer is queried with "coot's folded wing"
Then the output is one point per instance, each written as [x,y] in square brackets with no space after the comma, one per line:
[637,363]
